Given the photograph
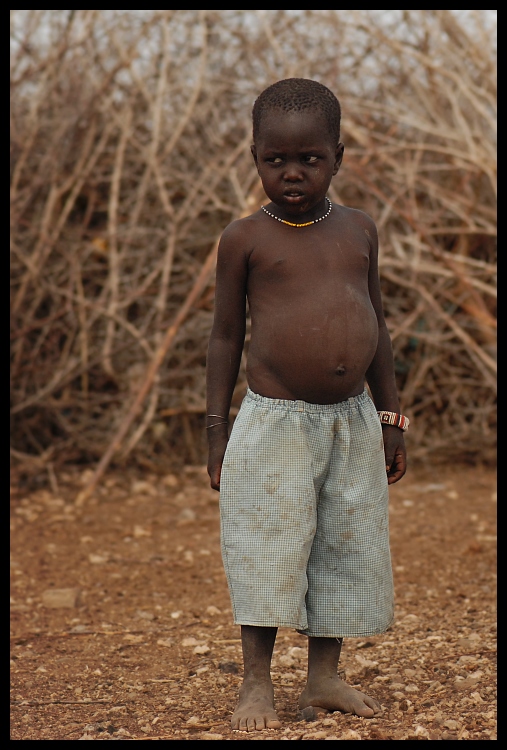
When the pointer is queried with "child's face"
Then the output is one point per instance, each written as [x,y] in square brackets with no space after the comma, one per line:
[296,157]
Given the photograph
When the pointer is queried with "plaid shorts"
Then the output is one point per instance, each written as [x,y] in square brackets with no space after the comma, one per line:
[304,517]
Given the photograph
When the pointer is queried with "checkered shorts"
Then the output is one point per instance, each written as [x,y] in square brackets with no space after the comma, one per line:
[304,517]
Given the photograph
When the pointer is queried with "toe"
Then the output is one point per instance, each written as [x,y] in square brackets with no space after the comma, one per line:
[273,724]
[365,711]
[243,726]
[259,722]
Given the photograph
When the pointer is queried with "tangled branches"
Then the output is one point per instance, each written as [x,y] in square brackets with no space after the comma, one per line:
[130,134]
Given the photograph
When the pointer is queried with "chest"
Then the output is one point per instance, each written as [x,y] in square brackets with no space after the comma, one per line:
[341,259]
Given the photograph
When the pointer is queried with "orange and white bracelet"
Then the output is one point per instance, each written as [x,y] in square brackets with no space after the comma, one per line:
[397,420]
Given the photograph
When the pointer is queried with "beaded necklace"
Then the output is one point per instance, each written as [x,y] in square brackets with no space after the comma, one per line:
[306,224]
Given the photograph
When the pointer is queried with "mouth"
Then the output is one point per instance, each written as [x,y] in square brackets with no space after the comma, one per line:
[294,196]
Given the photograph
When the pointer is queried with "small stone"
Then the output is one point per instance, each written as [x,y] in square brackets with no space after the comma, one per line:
[398,695]
[164,642]
[191,641]
[139,532]
[193,720]
[98,559]
[60,598]
[187,514]
[412,688]
[477,698]
[141,487]
[350,734]
[329,722]
[202,649]
[228,667]
[451,724]
[79,629]
[170,480]
[310,713]
[421,731]
[176,614]
[142,615]
[212,610]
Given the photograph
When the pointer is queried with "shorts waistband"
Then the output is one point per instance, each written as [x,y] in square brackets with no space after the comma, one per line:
[280,403]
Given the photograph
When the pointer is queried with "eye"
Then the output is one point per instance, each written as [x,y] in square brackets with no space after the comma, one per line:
[276,160]
[311,159]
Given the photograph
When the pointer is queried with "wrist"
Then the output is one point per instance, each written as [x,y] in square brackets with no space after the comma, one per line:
[393,419]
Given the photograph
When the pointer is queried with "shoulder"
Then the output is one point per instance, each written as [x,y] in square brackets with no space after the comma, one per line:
[359,219]
[239,235]
[355,215]
[243,227]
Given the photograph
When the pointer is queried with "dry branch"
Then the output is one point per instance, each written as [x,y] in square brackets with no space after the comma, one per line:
[130,137]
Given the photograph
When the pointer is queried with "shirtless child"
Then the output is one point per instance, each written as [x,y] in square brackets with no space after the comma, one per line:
[303,477]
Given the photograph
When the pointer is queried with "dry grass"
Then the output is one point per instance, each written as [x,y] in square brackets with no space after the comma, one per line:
[130,135]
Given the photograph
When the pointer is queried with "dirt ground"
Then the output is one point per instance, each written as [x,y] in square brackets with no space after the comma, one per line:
[145,647]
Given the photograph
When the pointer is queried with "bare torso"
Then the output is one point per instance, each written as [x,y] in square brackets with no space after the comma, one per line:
[314,329]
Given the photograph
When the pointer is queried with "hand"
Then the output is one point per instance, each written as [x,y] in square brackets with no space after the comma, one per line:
[395,453]
[216,454]
[214,472]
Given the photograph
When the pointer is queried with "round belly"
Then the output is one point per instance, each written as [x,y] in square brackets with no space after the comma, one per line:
[312,353]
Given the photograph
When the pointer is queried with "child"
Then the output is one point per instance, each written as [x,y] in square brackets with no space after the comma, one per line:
[303,478]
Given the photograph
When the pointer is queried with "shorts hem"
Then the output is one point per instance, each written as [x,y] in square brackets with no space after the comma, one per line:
[264,624]
[346,633]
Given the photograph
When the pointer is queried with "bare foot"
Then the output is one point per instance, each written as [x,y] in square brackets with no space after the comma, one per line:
[333,694]
[255,709]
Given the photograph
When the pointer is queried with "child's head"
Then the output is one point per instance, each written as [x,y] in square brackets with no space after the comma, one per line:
[298,95]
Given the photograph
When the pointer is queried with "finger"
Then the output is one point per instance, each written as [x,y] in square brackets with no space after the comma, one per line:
[215,479]
[398,468]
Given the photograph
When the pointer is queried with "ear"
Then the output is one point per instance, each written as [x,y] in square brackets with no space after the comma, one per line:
[338,156]
[253,151]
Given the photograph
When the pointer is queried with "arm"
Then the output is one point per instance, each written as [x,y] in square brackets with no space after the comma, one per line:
[380,374]
[225,344]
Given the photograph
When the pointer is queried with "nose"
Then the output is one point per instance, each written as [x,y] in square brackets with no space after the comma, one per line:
[293,172]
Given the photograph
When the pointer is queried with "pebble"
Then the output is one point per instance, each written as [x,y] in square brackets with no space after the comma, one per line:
[142,487]
[98,559]
[139,532]
[142,615]
[451,724]
[350,734]
[60,598]
[212,610]
[202,649]
[191,641]
[164,642]
[421,731]
[211,736]
[187,515]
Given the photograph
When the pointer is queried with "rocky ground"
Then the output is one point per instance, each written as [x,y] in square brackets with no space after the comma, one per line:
[121,623]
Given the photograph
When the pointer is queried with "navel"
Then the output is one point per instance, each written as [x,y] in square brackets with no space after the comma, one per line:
[340,370]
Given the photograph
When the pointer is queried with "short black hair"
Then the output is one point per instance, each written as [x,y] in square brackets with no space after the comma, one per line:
[297,95]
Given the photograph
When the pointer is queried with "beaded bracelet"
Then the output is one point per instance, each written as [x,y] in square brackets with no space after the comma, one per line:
[392,418]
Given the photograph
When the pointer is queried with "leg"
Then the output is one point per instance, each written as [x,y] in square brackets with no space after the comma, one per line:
[255,709]
[324,689]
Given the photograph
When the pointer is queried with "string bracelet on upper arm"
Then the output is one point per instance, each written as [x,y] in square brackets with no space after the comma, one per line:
[392,418]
